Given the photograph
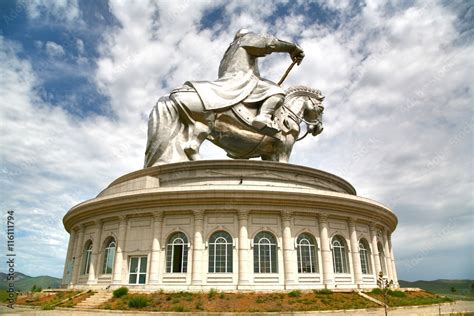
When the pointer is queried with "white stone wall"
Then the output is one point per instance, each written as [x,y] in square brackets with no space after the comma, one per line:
[145,233]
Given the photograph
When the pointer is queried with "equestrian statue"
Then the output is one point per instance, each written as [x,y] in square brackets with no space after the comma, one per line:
[242,113]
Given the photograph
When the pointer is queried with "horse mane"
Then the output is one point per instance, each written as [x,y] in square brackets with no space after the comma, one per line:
[302,90]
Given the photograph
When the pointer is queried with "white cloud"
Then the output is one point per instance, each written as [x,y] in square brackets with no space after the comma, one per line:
[80,46]
[67,10]
[54,49]
[51,161]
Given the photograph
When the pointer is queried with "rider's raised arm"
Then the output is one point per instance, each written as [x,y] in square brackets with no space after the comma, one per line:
[261,45]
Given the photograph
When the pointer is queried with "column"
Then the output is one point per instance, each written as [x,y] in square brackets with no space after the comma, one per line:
[155,248]
[93,267]
[244,248]
[78,255]
[198,247]
[288,251]
[117,278]
[68,265]
[375,249]
[328,270]
[388,257]
[394,268]
[355,252]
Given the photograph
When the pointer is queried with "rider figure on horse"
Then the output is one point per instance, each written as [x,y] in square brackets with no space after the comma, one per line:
[239,78]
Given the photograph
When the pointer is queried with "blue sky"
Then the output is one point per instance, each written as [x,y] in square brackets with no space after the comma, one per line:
[78,79]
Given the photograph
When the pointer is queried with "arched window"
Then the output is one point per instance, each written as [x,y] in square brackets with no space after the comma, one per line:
[109,256]
[265,253]
[177,253]
[339,255]
[86,259]
[220,252]
[382,259]
[307,254]
[364,253]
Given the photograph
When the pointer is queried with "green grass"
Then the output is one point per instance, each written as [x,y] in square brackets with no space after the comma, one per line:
[212,293]
[4,296]
[398,298]
[294,293]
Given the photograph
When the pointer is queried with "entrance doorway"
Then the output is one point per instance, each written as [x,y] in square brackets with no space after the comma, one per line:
[137,272]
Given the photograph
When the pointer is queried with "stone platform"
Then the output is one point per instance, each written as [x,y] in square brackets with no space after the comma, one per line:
[141,213]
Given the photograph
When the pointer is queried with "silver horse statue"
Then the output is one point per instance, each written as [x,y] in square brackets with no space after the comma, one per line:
[179,123]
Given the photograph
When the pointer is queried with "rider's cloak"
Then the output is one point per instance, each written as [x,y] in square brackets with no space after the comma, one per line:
[239,77]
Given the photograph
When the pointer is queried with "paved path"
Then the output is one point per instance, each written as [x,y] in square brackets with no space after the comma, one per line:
[432,310]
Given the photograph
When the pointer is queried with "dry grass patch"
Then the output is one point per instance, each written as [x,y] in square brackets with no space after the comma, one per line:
[215,301]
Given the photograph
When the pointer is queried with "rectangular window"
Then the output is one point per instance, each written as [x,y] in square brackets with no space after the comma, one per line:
[137,272]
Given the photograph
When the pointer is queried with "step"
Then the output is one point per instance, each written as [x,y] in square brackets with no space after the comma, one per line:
[95,300]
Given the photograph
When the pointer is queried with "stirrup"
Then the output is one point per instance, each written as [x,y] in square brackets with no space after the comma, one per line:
[268,130]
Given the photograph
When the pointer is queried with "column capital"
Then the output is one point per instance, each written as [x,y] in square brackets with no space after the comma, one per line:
[352,222]
[123,219]
[158,216]
[286,215]
[323,218]
[198,214]
[98,223]
[373,226]
[243,214]
[81,228]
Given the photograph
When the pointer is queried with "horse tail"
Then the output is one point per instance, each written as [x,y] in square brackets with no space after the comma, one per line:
[164,129]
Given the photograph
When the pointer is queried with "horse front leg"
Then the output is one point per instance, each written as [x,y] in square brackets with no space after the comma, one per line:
[198,134]
[283,151]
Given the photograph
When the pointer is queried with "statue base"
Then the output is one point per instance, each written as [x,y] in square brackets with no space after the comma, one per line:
[277,224]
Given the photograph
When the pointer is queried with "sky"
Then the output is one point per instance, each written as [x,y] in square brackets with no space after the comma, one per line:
[78,80]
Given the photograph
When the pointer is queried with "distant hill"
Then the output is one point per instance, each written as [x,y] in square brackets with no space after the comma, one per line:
[25,282]
[442,286]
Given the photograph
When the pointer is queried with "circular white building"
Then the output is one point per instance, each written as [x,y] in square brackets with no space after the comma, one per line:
[232,225]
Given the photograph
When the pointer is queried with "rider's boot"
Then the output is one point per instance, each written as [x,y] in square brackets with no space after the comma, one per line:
[263,121]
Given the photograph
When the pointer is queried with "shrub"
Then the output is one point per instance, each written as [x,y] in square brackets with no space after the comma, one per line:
[179,308]
[260,300]
[107,306]
[138,301]
[34,288]
[397,293]
[121,291]
[199,305]
[47,307]
[212,293]
[322,291]
[294,293]
[376,291]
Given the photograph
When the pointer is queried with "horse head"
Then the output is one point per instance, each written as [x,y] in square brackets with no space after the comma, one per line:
[305,104]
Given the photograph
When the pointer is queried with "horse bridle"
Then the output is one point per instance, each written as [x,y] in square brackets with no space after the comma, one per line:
[300,119]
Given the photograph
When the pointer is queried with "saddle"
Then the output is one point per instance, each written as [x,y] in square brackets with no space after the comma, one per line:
[247,112]
[281,119]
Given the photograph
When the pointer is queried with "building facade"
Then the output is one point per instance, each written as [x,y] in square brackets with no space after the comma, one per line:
[232,225]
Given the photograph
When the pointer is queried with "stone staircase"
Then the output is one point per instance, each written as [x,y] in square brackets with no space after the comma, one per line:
[95,300]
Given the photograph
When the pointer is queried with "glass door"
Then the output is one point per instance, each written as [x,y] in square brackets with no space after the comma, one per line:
[137,272]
